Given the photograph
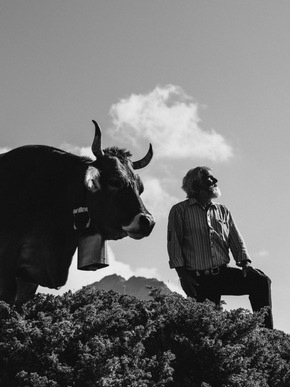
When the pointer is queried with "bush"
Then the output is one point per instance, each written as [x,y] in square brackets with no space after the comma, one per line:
[97,338]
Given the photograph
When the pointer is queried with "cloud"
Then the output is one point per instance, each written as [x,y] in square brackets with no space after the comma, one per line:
[157,200]
[77,150]
[263,253]
[175,287]
[78,278]
[169,118]
[4,150]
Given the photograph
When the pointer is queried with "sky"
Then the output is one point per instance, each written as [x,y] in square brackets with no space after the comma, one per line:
[206,82]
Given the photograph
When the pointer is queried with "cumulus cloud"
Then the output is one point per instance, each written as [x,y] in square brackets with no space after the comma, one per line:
[4,150]
[263,253]
[169,118]
[156,198]
[78,150]
[78,278]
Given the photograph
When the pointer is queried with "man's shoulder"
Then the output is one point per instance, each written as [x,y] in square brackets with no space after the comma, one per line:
[180,206]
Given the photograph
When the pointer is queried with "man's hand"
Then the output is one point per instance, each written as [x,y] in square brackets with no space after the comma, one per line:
[188,283]
[246,267]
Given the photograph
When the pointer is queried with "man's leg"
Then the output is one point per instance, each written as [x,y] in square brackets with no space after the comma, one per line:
[256,284]
[208,289]
[204,287]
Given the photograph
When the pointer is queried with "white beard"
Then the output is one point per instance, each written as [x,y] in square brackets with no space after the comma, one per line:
[215,192]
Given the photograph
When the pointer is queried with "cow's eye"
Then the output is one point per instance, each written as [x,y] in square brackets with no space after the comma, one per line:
[115,184]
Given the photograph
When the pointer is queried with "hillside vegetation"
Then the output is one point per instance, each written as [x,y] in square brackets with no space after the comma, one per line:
[98,338]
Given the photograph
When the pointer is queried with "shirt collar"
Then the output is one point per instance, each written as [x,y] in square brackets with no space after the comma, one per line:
[193,201]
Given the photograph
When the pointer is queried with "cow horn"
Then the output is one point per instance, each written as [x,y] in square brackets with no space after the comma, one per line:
[145,161]
[96,146]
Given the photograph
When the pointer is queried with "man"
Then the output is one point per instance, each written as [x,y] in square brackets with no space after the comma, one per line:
[201,234]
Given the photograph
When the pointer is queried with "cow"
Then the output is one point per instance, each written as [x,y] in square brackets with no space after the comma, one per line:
[50,198]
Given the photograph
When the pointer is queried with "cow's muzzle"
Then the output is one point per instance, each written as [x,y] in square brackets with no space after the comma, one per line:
[140,227]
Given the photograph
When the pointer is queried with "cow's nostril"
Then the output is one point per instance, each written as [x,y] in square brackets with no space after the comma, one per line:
[142,225]
[144,221]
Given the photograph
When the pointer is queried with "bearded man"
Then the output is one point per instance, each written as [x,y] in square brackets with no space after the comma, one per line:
[201,234]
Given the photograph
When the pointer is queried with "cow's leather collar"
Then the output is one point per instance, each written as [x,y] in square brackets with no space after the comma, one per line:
[82,218]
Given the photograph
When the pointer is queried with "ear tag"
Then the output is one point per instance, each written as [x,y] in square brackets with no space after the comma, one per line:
[82,218]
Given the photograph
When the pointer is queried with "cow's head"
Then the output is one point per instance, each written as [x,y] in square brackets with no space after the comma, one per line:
[114,190]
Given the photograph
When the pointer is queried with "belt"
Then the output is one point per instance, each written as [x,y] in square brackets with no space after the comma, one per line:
[213,271]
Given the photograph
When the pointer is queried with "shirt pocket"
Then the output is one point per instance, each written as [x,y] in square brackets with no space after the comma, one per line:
[222,228]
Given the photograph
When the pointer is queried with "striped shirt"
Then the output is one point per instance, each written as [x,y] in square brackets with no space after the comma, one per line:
[200,239]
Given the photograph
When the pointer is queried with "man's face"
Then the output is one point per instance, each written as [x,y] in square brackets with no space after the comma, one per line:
[208,185]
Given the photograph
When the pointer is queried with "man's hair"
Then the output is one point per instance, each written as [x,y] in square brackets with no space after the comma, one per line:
[192,180]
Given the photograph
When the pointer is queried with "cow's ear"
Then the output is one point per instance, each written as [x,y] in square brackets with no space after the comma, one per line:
[92,179]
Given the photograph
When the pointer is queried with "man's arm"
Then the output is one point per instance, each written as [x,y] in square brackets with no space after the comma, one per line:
[176,260]
[239,250]
[174,238]
[237,244]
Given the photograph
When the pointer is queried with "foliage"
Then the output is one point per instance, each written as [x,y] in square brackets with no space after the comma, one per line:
[97,338]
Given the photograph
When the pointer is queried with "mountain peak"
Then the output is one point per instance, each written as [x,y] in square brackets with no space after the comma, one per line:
[139,287]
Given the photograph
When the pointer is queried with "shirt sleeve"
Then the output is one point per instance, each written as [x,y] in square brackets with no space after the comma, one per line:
[236,243]
[174,238]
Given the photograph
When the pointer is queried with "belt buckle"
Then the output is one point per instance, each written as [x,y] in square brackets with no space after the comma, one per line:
[215,270]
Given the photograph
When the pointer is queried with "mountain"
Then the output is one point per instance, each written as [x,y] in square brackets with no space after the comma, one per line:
[139,287]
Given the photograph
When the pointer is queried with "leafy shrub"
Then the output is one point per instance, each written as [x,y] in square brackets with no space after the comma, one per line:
[97,338]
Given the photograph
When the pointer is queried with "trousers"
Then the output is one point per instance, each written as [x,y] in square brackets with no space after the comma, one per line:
[231,282]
